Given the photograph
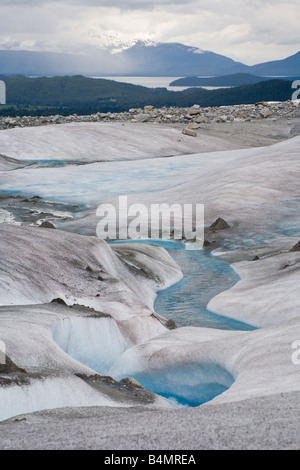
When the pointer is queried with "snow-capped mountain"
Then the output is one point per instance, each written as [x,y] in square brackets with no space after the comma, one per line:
[113,43]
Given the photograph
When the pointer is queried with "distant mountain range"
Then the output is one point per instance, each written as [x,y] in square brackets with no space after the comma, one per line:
[140,59]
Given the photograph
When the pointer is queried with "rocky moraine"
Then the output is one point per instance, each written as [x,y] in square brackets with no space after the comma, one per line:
[191,117]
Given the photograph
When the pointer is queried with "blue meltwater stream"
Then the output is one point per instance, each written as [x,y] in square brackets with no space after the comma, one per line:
[204,276]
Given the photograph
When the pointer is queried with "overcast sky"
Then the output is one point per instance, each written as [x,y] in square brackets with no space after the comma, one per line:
[249,31]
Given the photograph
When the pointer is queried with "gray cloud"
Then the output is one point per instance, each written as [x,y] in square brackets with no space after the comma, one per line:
[128,4]
[251,31]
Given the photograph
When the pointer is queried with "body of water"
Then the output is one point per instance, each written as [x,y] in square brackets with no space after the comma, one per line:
[155,82]
[204,277]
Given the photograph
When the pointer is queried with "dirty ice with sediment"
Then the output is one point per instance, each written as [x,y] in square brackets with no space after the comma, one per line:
[85,322]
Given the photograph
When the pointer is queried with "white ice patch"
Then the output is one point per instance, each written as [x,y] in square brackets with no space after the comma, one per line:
[58,214]
[89,142]
[95,342]
[7,218]
[49,393]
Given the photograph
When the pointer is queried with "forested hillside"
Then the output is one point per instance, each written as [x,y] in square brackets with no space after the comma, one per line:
[83,95]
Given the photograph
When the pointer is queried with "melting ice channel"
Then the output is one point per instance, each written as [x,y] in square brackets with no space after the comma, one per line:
[99,344]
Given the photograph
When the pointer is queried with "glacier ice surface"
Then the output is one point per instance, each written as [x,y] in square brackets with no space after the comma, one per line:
[95,342]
